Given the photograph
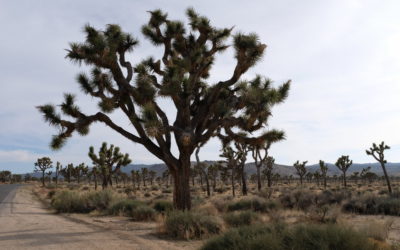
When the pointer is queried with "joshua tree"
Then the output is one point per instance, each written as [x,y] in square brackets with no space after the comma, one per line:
[259,157]
[377,151]
[202,167]
[267,171]
[144,174]
[300,170]
[41,165]
[95,172]
[344,163]
[5,175]
[49,173]
[152,176]
[231,163]
[68,172]
[80,171]
[324,171]
[181,74]
[109,160]
[57,173]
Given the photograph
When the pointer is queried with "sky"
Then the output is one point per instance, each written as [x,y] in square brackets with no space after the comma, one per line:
[342,56]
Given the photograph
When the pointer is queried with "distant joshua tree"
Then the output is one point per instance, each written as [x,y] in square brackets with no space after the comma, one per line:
[41,165]
[267,171]
[300,169]
[260,152]
[344,163]
[377,151]
[109,160]
[324,171]
[57,173]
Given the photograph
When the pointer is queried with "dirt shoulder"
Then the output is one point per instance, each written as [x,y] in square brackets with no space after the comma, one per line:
[28,224]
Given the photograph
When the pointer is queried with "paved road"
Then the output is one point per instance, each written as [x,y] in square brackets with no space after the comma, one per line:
[7,194]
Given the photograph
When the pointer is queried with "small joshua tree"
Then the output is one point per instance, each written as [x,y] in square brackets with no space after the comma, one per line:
[344,163]
[324,171]
[57,173]
[267,171]
[145,175]
[109,160]
[41,165]
[377,151]
[68,172]
[300,170]
[260,152]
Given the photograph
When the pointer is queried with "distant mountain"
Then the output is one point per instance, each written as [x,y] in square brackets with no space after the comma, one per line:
[284,170]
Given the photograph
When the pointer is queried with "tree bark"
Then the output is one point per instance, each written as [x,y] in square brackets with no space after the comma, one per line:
[43,178]
[258,177]
[387,178]
[181,195]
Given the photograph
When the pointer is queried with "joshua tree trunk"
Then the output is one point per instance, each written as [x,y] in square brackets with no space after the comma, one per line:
[233,182]
[95,182]
[324,182]
[207,183]
[181,175]
[344,179]
[43,178]
[244,184]
[259,178]
[269,181]
[387,178]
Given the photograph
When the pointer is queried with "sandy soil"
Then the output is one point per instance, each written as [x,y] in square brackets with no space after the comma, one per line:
[26,224]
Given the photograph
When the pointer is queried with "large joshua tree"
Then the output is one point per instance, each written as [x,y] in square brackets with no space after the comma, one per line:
[378,152]
[109,161]
[343,164]
[181,74]
[41,165]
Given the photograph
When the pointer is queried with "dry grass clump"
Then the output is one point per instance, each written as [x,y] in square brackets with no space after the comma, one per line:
[299,237]
[191,225]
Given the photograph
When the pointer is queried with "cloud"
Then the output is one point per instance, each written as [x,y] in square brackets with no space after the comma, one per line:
[17,156]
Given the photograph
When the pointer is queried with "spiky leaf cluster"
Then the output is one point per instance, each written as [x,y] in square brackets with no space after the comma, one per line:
[378,152]
[344,163]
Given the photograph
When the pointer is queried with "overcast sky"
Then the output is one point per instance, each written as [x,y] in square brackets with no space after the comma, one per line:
[343,58]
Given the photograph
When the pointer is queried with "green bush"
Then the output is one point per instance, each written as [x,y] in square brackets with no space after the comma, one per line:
[100,200]
[241,219]
[124,207]
[255,204]
[299,237]
[372,204]
[190,225]
[143,213]
[163,206]
[69,202]
[74,202]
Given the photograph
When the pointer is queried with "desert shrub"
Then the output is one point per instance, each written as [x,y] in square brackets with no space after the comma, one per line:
[73,186]
[241,219]
[299,237]
[143,213]
[85,188]
[154,188]
[297,199]
[167,191]
[163,206]
[255,204]
[51,193]
[147,194]
[377,230]
[69,202]
[123,207]
[51,186]
[190,225]
[221,202]
[371,204]
[100,200]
